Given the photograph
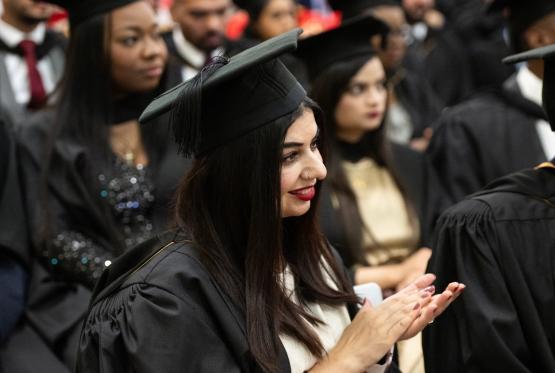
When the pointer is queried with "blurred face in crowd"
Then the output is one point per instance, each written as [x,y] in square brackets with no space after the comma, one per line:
[362,106]
[277,17]
[27,11]
[138,53]
[394,17]
[302,166]
[416,9]
[203,22]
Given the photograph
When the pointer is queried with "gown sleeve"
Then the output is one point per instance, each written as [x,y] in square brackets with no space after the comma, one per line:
[146,328]
[71,247]
[481,331]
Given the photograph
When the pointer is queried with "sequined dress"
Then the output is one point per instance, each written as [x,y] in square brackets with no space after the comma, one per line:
[129,192]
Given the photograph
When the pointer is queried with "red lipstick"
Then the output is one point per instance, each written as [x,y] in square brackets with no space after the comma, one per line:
[304,194]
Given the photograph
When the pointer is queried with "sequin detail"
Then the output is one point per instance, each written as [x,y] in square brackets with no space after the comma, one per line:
[78,257]
[130,195]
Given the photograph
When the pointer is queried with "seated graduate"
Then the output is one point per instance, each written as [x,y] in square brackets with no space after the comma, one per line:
[496,133]
[378,200]
[413,106]
[96,183]
[500,242]
[249,283]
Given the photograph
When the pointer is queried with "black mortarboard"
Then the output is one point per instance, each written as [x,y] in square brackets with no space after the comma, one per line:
[522,13]
[231,97]
[548,93]
[253,7]
[353,8]
[81,10]
[348,41]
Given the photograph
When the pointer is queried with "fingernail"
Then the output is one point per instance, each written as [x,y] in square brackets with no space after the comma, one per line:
[430,289]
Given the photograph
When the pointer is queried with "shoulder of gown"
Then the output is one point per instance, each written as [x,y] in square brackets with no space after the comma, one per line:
[164,316]
[499,243]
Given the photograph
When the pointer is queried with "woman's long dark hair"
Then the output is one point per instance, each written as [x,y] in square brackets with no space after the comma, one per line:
[83,109]
[230,204]
[327,90]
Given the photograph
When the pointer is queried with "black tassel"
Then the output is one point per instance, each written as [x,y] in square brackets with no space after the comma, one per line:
[186,113]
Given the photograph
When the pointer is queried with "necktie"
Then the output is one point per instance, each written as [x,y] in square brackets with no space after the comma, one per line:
[36,88]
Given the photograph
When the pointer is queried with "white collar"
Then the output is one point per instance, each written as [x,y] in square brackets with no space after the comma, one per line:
[530,85]
[13,36]
[186,50]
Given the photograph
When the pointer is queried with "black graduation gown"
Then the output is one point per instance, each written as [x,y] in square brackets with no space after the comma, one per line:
[482,139]
[499,243]
[56,304]
[157,309]
[13,257]
[483,40]
[420,101]
[442,60]
[422,188]
[26,349]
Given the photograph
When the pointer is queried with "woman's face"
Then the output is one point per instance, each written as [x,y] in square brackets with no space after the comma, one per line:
[362,106]
[302,166]
[138,53]
[277,17]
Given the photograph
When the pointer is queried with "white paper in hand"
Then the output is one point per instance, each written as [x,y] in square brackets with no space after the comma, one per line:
[370,291]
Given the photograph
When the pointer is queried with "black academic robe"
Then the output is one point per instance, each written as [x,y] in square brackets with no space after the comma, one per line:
[482,139]
[442,60]
[26,349]
[56,304]
[422,189]
[500,243]
[419,100]
[53,48]
[157,309]
[13,257]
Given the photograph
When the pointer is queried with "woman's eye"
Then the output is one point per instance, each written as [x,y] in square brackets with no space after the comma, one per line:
[129,41]
[290,158]
[356,89]
[315,145]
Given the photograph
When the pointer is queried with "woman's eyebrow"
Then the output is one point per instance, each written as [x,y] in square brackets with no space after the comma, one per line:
[292,144]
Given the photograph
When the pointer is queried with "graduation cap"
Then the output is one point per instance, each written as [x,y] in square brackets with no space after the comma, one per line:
[253,7]
[231,97]
[548,92]
[81,10]
[353,8]
[348,41]
[522,13]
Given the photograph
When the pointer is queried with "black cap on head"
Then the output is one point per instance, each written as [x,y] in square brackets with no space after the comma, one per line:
[522,14]
[548,93]
[253,7]
[350,40]
[231,97]
[81,10]
[353,8]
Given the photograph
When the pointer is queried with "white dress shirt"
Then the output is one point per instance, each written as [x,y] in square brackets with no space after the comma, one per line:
[194,56]
[531,88]
[16,65]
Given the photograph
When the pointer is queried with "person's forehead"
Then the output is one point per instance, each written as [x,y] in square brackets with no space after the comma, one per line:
[206,4]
